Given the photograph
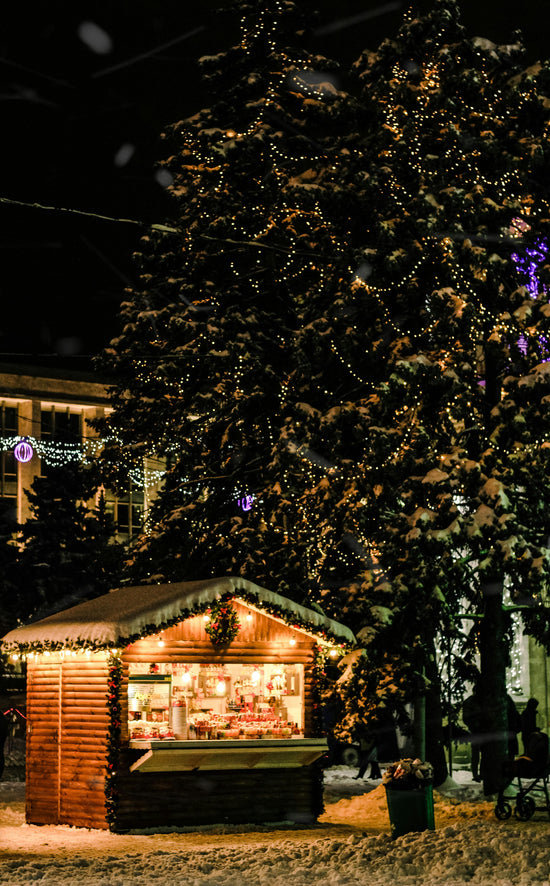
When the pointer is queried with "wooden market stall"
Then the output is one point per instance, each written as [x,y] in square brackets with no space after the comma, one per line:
[175,705]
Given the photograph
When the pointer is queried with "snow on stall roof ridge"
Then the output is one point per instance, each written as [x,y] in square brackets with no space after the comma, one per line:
[128,611]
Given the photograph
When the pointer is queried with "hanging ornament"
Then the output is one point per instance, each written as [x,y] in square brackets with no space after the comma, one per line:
[246,502]
[23,451]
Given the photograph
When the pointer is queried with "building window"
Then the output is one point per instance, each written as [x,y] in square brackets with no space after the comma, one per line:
[8,464]
[59,426]
[127,513]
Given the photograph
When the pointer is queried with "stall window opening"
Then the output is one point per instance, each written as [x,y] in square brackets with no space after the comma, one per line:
[203,701]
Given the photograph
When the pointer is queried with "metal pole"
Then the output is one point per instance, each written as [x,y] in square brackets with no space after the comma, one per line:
[449,708]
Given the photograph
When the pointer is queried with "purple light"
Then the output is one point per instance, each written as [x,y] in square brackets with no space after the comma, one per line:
[23,451]
[528,266]
[246,502]
[523,344]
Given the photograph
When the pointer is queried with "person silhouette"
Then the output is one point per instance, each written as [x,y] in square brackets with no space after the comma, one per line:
[472,714]
[528,721]
[4,729]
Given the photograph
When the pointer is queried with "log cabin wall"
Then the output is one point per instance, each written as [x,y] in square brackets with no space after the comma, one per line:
[42,771]
[256,630]
[67,740]
[163,800]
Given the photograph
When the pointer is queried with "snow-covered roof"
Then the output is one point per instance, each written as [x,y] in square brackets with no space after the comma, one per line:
[127,613]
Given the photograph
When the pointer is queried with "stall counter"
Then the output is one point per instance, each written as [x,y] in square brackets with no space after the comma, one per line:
[187,756]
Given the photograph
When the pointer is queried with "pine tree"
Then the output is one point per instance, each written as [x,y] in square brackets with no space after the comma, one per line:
[204,362]
[10,592]
[455,476]
[67,548]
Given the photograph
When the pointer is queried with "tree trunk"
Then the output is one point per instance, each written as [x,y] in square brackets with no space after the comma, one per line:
[494,749]
[419,727]
[435,739]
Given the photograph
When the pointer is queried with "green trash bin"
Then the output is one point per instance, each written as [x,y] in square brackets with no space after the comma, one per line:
[411,810]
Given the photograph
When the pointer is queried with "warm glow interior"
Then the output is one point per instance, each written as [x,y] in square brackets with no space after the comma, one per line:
[202,701]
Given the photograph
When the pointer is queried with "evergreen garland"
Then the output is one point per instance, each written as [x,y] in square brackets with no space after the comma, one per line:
[320,685]
[113,739]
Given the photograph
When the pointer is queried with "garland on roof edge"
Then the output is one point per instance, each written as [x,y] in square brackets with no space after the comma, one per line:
[292,619]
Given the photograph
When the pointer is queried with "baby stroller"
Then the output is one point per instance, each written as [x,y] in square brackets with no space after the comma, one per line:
[531,773]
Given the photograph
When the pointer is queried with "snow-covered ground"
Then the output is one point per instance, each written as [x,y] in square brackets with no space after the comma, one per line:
[350,845]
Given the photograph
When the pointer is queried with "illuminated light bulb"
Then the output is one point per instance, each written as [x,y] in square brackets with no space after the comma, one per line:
[161,642]
[47,652]
[256,676]
[186,676]
[15,656]
[220,686]
[333,653]
[206,618]
[292,641]
[249,617]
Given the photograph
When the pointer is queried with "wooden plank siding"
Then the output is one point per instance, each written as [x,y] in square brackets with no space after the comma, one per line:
[66,741]
[188,799]
[42,772]
[84,728]
[261,632]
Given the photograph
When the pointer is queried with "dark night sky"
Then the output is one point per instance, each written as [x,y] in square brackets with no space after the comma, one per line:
[82,111]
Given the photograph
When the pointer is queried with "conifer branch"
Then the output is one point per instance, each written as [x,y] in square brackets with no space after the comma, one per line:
[282,249]
[164,229]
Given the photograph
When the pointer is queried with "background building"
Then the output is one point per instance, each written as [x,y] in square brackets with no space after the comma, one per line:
[53,409]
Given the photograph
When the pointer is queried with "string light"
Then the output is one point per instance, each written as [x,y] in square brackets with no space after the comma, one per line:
[57,454]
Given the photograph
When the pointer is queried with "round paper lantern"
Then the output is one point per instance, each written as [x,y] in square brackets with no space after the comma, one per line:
[23,451]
